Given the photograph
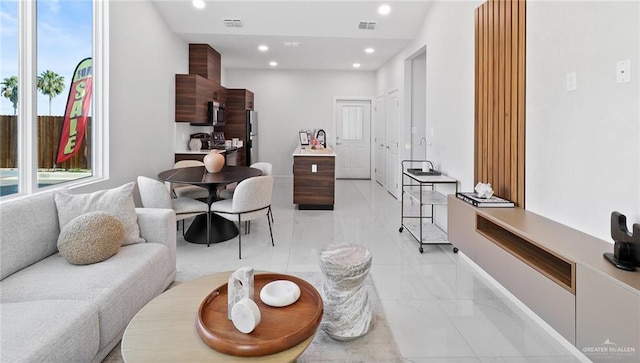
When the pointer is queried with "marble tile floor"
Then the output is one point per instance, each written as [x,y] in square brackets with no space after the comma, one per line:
[440,306]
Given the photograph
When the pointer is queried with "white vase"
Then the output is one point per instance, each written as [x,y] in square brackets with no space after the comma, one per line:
[213,161]
[195,144]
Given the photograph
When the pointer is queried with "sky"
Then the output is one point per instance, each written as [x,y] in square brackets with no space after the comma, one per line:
[64,37]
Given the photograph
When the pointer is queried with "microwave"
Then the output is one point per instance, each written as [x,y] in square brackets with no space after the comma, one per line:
[215,114]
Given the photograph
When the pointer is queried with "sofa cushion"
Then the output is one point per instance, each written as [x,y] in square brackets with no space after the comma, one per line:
[119,286]
[28,232]
[118,201]
[49,331]
[90,238]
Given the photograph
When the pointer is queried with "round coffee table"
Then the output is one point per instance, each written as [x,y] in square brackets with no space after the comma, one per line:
[164,330]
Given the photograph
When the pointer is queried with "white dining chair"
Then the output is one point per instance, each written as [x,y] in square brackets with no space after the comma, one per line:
[265,168]
[154,194]
[251,200]
[187,190]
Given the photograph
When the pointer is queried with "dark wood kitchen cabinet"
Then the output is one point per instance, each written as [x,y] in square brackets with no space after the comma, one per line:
[202,85]
[193,92]
[239,101]
[205,62]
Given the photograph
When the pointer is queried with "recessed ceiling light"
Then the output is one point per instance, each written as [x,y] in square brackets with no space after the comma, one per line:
[356,65]
[273,63]
[198,4]
[263,48]
[384,9]
[369,50]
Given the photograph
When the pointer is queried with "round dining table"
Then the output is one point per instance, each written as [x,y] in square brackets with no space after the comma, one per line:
[221,229]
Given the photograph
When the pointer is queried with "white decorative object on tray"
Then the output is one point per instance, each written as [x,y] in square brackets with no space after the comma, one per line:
[484,190]
[280,293]
[240,285]
[245,315]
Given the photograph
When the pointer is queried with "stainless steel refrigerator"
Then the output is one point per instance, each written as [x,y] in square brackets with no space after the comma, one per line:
[252,137]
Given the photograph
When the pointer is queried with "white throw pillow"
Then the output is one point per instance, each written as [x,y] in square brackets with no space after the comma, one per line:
[91,238]
[118,201]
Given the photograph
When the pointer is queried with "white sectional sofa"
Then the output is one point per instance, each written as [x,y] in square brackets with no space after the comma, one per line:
[55,311]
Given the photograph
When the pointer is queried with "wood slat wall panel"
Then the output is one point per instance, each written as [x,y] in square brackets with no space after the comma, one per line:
[522,13]
[514,98]
[500,96]
[477,109]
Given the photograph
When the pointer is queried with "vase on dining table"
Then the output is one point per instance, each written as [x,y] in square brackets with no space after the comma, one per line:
[213,161]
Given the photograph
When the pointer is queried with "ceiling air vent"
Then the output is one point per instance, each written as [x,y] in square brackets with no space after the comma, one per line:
[233,23]
[291,44]
[367,25]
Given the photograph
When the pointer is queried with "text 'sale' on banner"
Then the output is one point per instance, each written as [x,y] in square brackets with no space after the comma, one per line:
[76,113]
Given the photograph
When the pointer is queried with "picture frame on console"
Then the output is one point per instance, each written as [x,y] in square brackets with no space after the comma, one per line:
[218,138]
[304,138]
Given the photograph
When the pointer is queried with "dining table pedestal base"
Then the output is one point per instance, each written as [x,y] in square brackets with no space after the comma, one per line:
[222,229]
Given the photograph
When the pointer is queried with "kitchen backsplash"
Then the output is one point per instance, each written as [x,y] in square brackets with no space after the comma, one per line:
[183,134]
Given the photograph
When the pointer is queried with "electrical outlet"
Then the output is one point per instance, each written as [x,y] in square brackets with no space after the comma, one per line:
[623,71]
[314,168]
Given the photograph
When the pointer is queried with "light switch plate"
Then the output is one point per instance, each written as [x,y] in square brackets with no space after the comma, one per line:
[623,71]
[572,82]
[314,168]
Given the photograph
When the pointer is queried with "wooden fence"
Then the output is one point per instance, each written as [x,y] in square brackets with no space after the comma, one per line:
[49,128]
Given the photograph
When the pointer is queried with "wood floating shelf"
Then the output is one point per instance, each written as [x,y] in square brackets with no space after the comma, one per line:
[557,269]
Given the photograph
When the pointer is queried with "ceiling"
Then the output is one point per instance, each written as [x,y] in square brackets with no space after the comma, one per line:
[327,31]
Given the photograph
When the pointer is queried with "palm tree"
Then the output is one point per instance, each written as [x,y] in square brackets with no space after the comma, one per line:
[10,91]
[50,84]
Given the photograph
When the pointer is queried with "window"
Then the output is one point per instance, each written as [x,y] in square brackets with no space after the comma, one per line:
[352,123]
[51,124]
[9,100]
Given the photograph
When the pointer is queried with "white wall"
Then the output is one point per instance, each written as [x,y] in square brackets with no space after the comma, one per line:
[287,101]
[144,56]
[583,147]
[448,34]
[418,106]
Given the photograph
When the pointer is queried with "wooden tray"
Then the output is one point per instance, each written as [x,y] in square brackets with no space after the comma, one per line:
[279,329]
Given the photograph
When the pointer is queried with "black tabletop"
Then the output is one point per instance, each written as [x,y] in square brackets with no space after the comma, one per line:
[198,175]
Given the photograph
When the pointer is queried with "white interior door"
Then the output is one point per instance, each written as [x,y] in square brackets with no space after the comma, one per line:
[380,121]
[391,147]
[353,139]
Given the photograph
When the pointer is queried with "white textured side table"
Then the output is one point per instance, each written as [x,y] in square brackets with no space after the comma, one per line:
[348,314]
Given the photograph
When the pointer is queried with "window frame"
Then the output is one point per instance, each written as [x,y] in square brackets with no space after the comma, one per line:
[27,107]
